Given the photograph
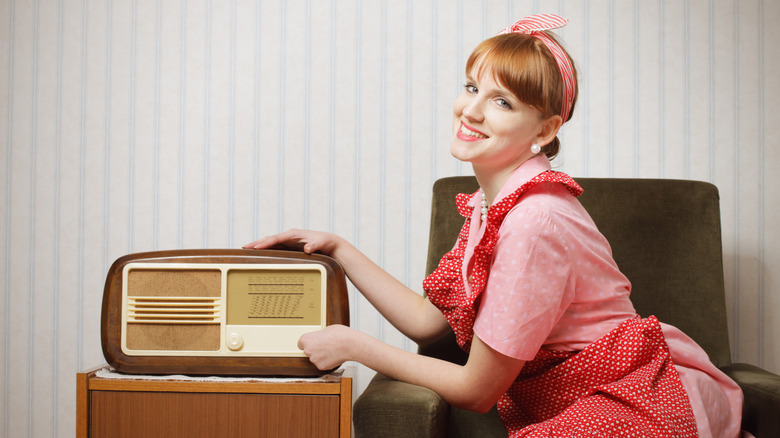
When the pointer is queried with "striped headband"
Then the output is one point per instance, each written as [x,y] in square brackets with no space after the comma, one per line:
[535,25]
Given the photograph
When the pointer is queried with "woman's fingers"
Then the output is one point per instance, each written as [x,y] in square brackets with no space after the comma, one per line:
[302,240]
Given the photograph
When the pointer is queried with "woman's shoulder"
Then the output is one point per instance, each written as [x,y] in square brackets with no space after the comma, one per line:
[550,205]
[548,197]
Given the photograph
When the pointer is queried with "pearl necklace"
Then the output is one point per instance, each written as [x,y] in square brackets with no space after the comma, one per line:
[485,207]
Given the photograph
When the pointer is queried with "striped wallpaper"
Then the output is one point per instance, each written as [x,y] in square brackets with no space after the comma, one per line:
[155,124]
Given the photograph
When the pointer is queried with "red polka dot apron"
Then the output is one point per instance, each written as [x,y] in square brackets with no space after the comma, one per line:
[624,384]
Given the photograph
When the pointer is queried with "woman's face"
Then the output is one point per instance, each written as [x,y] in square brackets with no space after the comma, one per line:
[493,129]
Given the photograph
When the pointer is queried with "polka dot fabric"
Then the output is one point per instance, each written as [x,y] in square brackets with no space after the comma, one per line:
[625,384]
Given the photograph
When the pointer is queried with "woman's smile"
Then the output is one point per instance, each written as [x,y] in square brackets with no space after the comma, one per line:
[468,133]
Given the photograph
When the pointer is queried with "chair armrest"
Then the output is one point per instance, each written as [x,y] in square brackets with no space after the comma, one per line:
[762,398]
[389,408]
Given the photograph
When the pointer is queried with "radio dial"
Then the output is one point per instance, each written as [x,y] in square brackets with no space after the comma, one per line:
[235,341]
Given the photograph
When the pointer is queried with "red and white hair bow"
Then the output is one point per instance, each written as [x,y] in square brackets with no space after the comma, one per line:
[536,25]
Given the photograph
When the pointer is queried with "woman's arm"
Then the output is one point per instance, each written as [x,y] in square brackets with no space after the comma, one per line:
[475,386]
[412,314]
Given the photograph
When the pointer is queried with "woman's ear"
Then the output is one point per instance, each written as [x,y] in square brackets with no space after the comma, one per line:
[550,127]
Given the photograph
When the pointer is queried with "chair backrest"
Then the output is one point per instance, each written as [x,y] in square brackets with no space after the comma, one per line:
[665,237]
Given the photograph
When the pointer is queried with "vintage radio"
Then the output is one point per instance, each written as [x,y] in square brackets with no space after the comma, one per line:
[219,312]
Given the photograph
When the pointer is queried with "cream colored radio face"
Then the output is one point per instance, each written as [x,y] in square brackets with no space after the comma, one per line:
[240,310]
[266,297]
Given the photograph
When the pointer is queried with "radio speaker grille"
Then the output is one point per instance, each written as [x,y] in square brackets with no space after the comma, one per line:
[173,310]
[173,337]
[174,283]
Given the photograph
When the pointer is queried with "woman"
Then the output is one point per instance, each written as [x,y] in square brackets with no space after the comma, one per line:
[530,289]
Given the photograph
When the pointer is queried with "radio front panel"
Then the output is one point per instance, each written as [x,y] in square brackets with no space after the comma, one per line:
[201,310]
[229,312]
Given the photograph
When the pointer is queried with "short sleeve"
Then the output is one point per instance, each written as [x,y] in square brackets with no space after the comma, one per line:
[527,289]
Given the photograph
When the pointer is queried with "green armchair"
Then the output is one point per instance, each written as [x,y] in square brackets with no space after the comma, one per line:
[665,236]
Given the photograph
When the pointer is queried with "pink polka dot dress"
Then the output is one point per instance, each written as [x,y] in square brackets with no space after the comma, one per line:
[536,281]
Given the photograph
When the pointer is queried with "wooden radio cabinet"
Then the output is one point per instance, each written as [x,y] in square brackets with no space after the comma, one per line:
[136,407]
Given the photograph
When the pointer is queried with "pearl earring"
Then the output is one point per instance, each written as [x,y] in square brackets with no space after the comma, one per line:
[535,148]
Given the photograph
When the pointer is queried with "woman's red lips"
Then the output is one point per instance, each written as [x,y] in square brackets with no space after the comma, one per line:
[468,133]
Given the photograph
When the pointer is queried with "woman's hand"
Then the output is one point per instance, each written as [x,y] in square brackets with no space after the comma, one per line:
[302,240]
[328,348]
[407,310]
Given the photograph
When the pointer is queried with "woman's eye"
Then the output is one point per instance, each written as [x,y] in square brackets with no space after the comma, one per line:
[503,103]
[470,88]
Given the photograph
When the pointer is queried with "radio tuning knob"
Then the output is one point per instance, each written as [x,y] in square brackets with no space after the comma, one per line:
[235,341]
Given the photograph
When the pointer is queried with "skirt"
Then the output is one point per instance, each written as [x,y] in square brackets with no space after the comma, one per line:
[624,384]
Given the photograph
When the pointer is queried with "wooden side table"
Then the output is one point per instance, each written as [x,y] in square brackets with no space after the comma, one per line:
[109,407]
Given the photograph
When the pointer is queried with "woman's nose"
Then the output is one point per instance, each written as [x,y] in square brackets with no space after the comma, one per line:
[473,110]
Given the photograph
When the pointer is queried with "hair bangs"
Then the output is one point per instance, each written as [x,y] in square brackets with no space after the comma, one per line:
[523,65]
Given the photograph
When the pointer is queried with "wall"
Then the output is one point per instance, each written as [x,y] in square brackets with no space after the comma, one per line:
[137,125]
